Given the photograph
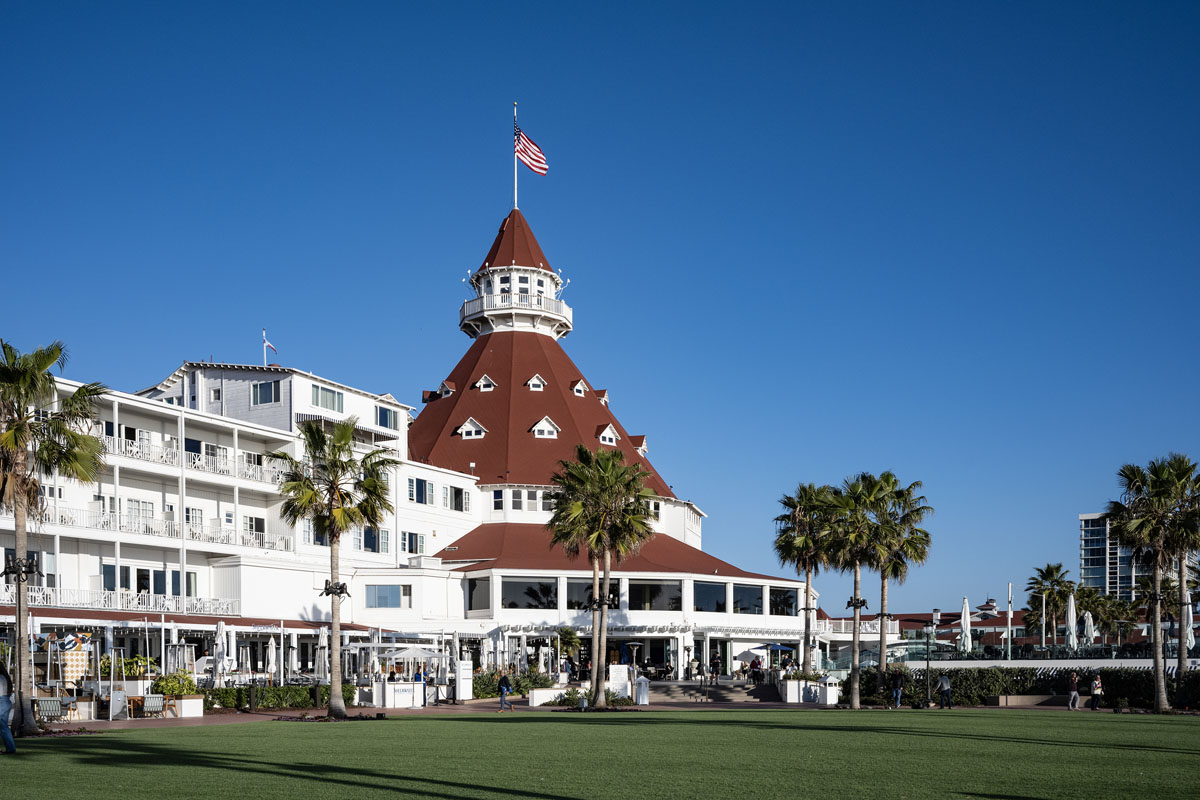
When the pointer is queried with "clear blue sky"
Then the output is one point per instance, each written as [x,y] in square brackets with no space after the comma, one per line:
[958,241]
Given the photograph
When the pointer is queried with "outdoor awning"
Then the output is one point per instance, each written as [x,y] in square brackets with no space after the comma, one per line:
[380,434]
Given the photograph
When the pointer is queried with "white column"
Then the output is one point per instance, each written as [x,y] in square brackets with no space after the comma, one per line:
[57,558]
[117,570]
[183,510]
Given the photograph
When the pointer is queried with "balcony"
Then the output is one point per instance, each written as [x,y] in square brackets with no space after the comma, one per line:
[846,626]
[44,596]
[213,533]
[142,452]
[514,302]
[213,465]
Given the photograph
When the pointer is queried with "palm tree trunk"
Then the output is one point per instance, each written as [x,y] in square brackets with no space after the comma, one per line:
[337,704]
[1161,705]
[882,628]
[855,637]
[601,701]
[1182,664]
[807,620]
[595,625]
[24,721]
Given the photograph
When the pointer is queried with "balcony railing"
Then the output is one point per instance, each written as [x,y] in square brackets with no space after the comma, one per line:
[847,626]
[517,302]
[213,465]
[213,533]
[46,596]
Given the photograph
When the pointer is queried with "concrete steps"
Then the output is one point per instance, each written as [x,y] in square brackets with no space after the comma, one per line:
[723,692]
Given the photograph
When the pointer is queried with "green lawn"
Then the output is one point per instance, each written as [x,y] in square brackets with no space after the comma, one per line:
[726,755]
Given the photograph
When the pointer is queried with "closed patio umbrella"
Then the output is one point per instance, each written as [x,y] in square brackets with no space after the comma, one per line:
[218,659]
[271,656]
[1072,624]
[322,666]
[1189,636]
[964,640]
[1089,628]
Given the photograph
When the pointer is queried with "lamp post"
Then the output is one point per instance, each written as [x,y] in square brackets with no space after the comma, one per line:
[21,570]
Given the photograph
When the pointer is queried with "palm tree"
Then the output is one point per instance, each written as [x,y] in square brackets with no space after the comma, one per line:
[41,434]
[337,491]
[855,507]
[801,540]
[899,542]
[1052,583]
[600,507]
[1156,509]
[1185,540]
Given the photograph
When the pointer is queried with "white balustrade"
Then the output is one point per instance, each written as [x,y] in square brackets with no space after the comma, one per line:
[517,302]
[131,448]
[46,596]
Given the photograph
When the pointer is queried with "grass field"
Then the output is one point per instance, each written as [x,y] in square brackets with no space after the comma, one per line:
[735,754]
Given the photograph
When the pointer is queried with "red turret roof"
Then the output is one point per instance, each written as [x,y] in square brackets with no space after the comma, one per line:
[515,244]
[509,452]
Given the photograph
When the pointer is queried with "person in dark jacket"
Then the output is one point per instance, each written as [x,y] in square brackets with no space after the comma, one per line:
[505,690]
[899,679]
[6,690]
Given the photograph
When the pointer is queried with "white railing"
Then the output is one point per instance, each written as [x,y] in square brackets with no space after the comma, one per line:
[212,464]
[142,452]
[847,626]
[268,473]
[520,302]
[164,528]
[46,596]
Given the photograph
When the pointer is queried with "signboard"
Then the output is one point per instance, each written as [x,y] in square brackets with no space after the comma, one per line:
[618,680]
[463,676]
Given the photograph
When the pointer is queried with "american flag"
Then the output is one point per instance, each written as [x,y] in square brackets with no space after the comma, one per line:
[530,154]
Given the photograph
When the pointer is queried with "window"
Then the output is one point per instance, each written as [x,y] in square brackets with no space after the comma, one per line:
[497,500]
[310,537]
[191,583]
[254,525]
[413,543]
[479,594]
[655,596]
[654,509]
[545,429]
[455,499]
[747,599]
[708,597]
[547,501]
[528,593]
[325,398]
[264,393]
[785,602]
[420,491]
[109,573]
[579,594]
[516,499]
[531,499]
[370,540]
[580,388]
[389,596]
[485,384]
[387,418]
[536,384]
[471,429]
[607,435]
[214,395]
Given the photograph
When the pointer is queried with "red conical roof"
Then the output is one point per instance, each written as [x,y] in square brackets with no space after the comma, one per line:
[509,452]
[515,244]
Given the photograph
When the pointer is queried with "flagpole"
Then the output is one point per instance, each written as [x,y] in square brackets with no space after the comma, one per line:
[514,155]
[264,347]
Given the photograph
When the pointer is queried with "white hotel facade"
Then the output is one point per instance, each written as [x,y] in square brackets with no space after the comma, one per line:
[183,528]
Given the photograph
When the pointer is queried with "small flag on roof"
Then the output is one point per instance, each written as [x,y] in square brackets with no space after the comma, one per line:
[530,154]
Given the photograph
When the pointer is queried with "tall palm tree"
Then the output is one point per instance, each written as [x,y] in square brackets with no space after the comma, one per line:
[41,434]
[801,540]
[1052,583]
[1157,506]
[600,507]
[855,506]
[337,491]
[1185,540]
[899,542]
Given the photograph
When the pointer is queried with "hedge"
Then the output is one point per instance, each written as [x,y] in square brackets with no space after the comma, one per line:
[972,686]
[271,696]
[487,684]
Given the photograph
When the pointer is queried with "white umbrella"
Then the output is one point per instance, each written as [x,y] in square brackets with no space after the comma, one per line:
[414,653]
[1089,628]
[964,640]
[219,653]
[376,638]
[232,651]
[322,667]
[1072,624]
[1189,636]
[271,656]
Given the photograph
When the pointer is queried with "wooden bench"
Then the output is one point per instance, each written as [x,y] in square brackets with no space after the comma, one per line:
[50,709]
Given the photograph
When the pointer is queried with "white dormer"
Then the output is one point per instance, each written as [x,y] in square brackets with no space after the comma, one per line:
[545,429]
[639,444]
[579,388]
[602,396]
[471,429]
[607,434]
[485,384]
[537,383]
[446,389]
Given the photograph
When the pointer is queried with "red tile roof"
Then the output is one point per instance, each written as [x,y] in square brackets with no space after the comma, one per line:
[509,453]
[510,545]
[515,244]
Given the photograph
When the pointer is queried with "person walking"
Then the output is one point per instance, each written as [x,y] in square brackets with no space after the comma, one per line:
[1097,692]
[899,679]
[943,686]
[714,666]
[1073,692]
[6,689]
[505,689]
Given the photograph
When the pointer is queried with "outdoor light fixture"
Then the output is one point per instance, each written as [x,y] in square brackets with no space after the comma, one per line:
[20,570]
[335,589]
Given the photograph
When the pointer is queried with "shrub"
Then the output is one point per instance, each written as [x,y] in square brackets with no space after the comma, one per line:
[487,684]
[175,683]
[272,697]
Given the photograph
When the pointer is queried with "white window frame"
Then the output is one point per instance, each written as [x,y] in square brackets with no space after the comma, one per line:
[537,383]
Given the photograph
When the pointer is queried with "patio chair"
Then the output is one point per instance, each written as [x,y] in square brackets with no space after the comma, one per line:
[50,709]
[153,705]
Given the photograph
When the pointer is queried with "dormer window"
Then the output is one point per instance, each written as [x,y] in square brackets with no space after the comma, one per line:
[580,388]
[446,389]
[471,429]
[485,383]
[607,434]
[545,429]
[602,396]
[536,384]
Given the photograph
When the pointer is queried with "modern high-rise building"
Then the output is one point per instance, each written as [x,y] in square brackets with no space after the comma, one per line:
[1105,564]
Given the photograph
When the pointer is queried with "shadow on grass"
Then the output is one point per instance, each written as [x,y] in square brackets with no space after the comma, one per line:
[652,718]
[110,751]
